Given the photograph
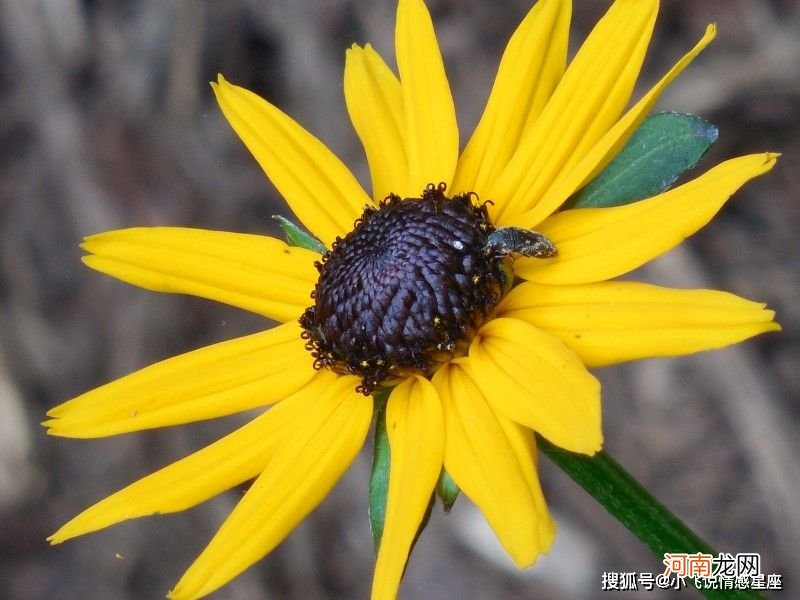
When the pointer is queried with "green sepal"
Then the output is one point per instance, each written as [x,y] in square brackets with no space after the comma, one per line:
[447,490]
[296,236]
[665,146]
[379,477]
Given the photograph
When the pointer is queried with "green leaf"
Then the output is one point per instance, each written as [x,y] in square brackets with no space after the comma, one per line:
[636,508]
[296,236]
[379,478]
[664,146]
[448,490]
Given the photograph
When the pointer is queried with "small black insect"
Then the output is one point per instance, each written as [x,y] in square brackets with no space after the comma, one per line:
[515,240]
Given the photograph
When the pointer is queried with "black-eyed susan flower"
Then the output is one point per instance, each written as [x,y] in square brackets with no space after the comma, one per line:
[460,288]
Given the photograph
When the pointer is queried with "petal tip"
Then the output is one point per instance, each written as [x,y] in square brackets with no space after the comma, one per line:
[177,593]
[90,259]
[220,86]
[58,537]
[91,238]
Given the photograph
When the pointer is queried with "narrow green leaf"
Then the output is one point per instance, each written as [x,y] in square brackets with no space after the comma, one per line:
[633,506]
[664,146]
[447,490]
[379,478]
[296,236]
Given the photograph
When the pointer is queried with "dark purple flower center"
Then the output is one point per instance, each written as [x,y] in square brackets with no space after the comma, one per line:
[406,289]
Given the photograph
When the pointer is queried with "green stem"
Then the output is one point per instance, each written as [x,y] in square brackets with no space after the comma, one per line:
[633,506]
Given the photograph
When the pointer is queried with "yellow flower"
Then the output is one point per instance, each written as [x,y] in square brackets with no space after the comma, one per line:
[547,130]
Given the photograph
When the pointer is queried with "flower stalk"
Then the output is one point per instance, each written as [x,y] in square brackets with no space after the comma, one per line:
[636,508]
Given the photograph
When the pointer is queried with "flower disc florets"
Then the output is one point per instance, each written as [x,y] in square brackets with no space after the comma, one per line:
[406,289]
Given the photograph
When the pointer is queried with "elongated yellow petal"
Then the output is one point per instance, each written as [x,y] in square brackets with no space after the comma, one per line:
[487,467]
[218,380]
[614,321]
[415,427]
[230,461]
[375,104]
[587,102]
[574,177]
[534,379]
[325,436]
[319,188]
[522,443]
[595,244]
[431,129]
[254,272]
[532,64]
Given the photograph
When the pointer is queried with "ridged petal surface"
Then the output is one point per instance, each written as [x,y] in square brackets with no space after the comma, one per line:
[431,129]
[532,64]
[214,381]
[319,188]
[484,456]
[587,102]
[375,104]
[415,427]
[325,436]
[227,462]
[253,272]
[535,380]
[615,321]
[576,173]
[595,244]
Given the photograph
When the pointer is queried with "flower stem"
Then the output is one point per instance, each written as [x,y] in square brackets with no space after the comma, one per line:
[633,506]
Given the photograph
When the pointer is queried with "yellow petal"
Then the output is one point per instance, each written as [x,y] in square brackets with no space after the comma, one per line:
[319,188]
[595,244]
[218,380]
[574,177]
[375,104]
[614,321]
[431,129]
[415,427]
[532,64]
[534,379]
[227,462]
[490,470]
[254,272]
[325,436]
[587,102]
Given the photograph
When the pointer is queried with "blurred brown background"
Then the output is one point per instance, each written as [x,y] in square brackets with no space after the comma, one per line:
[107,120]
